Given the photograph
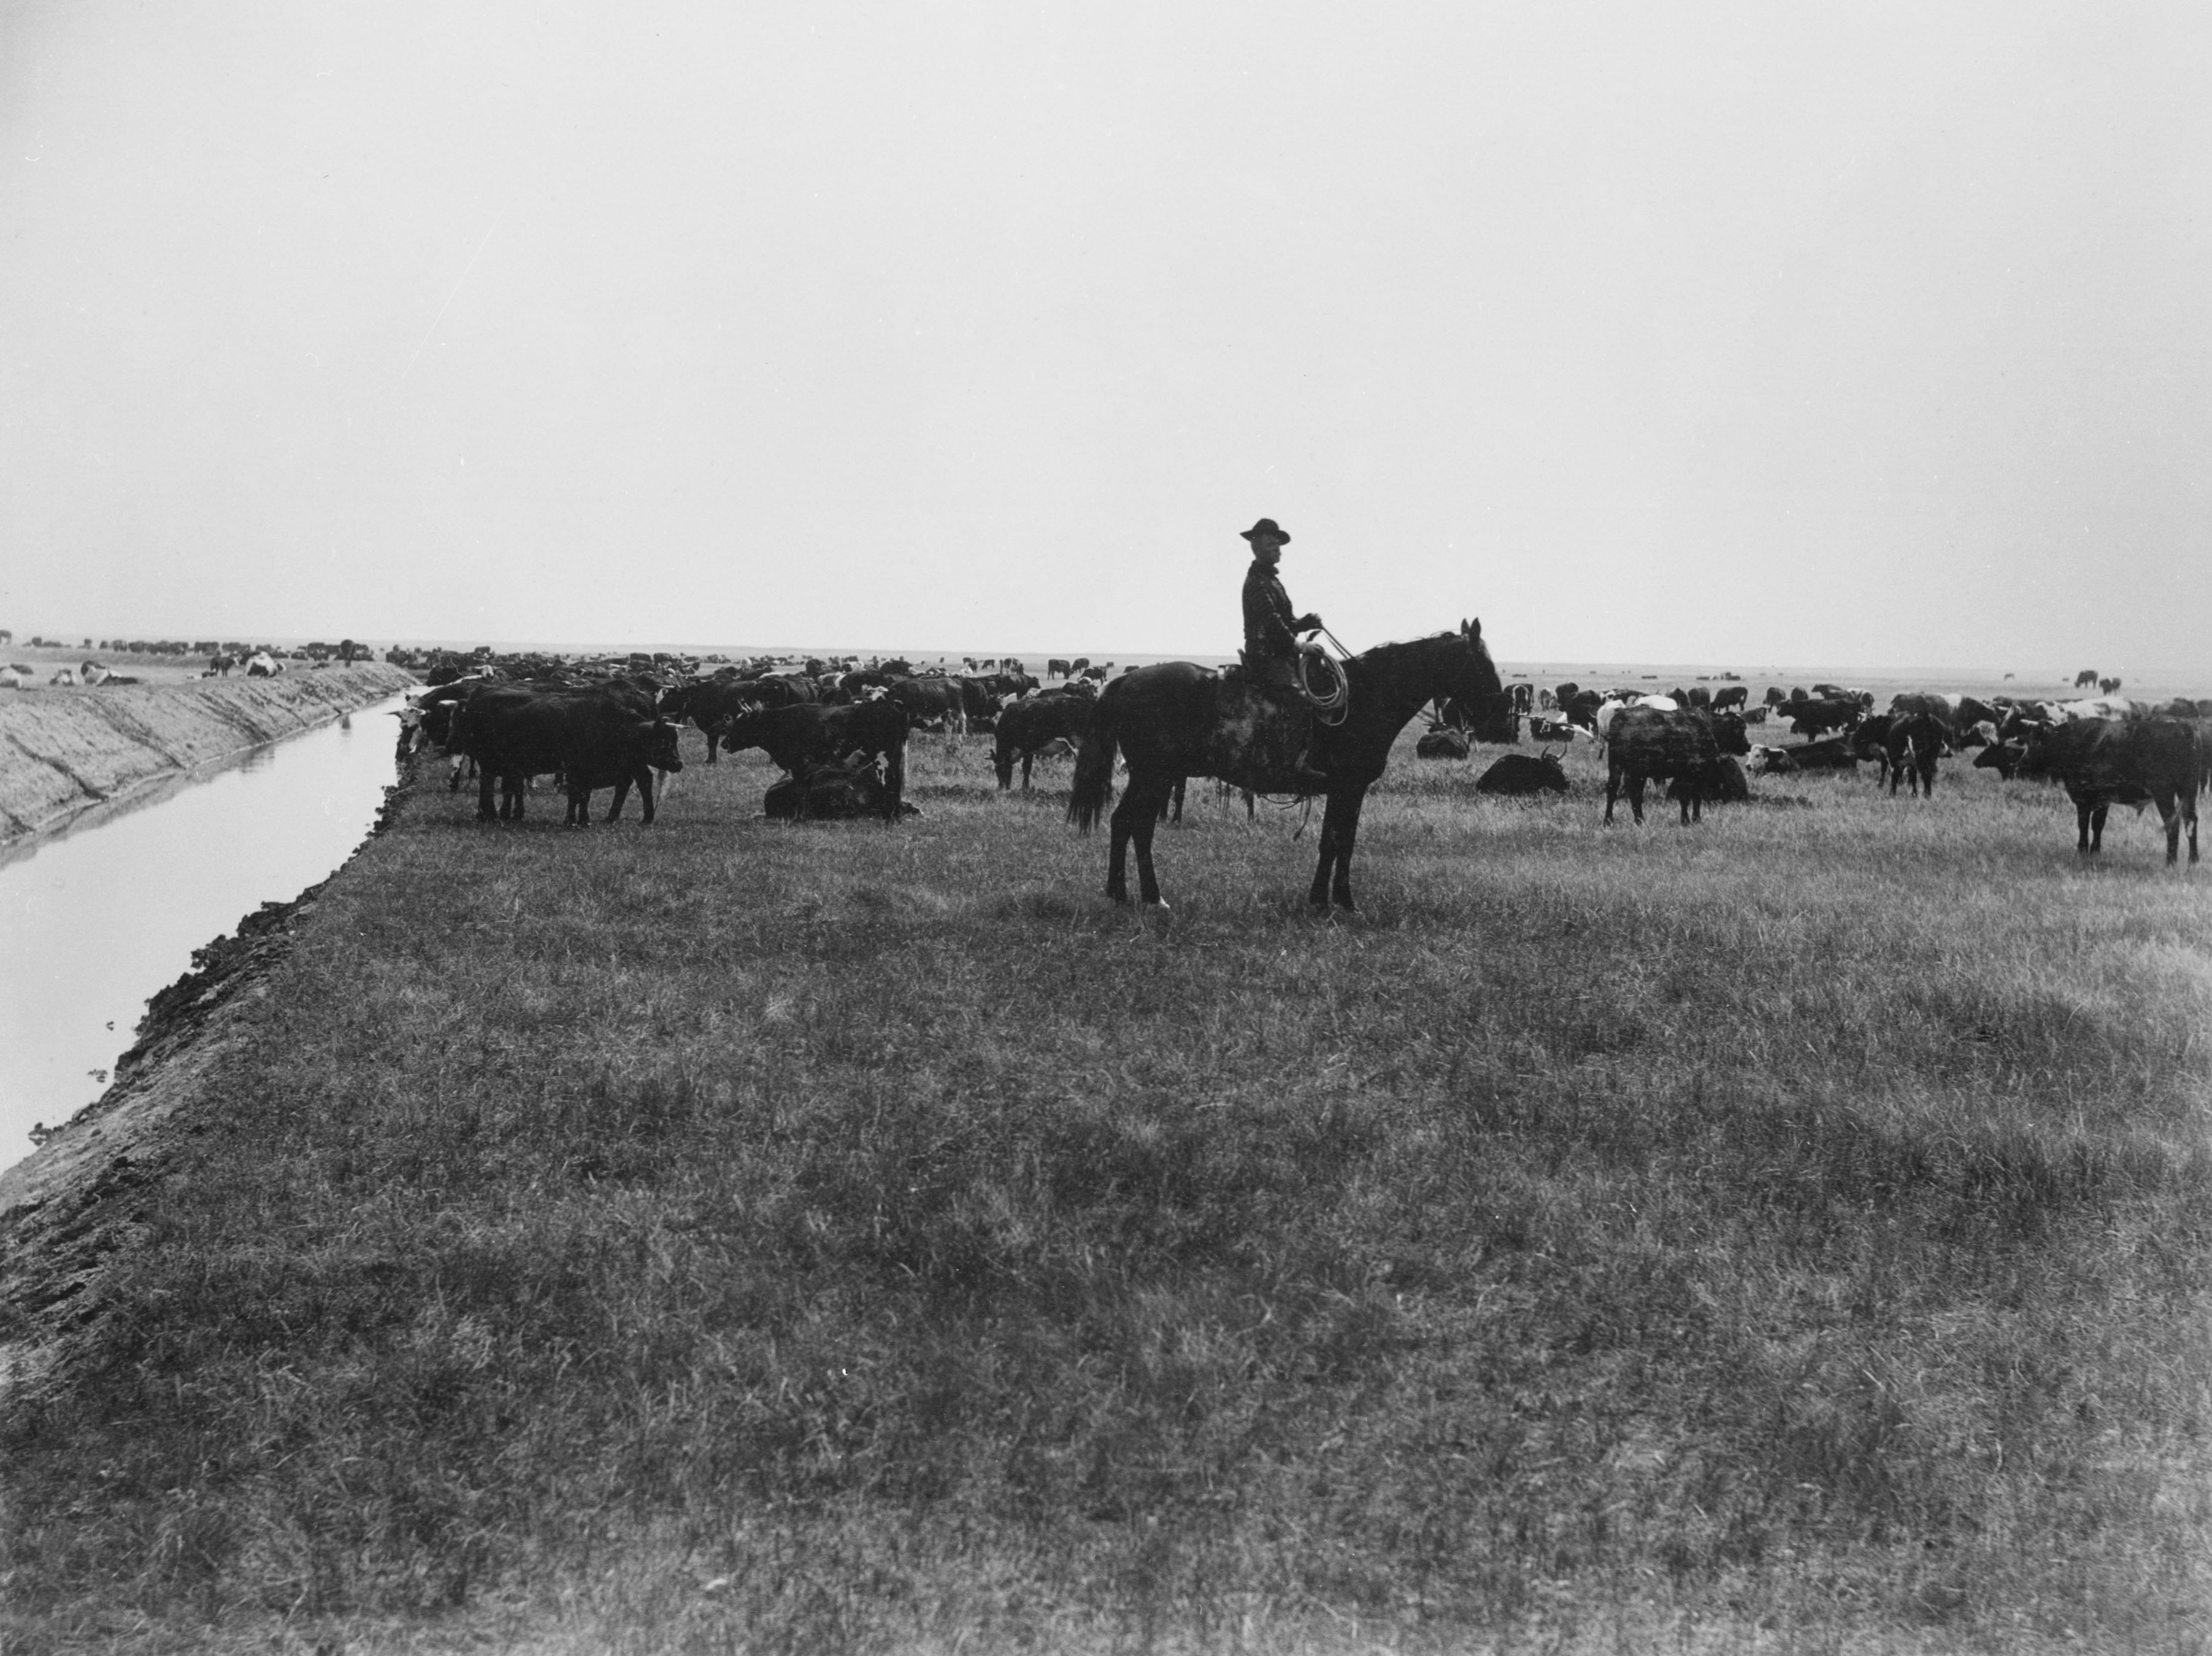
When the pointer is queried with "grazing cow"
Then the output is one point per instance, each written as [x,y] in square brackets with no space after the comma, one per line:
[261,665]
[2085,678]
[594,738]
[1026,729]
[932,703]
[2002,757]
[1812,718]
[2108,685]
[799,739]
[1647,743]
[2131,762]
[1725,784]
[1910,747]
[1443,742]
[1055,668]
[1519,774]
[1734,695]
[1868,740]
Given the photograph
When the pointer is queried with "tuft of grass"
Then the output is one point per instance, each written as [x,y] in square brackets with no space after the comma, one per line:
[1789,1230]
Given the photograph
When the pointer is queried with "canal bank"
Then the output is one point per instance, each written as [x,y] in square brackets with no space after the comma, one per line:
[63,753]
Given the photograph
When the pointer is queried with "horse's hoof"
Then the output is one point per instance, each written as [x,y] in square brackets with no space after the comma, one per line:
[1160,903]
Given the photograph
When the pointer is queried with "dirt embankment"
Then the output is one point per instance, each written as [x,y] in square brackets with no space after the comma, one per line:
[63,752]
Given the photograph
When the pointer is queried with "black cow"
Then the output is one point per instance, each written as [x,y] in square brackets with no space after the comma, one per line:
[1647,743]
[595,738]
[1580,706]
[1833,753]
[711,704]
[1444,742]
[1868,740]
[1813,719]
[1735,695]
[1910,747]
[932,701]
[800,739]
[2129,762]
[1026,726]
[1519,774]
[2002,757]
[1725,784]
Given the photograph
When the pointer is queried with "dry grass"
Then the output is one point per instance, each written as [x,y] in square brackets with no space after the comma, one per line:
[1788,1233]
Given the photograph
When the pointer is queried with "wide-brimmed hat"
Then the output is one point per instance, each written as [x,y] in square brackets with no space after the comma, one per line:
[1267,527]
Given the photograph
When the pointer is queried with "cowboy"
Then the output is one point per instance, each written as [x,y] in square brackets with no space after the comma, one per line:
[1271,626]
[1272,663]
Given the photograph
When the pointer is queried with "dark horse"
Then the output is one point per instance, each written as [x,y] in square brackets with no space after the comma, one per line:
[1179,719]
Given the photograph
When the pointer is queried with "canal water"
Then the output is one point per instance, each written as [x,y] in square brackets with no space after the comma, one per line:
[93,922]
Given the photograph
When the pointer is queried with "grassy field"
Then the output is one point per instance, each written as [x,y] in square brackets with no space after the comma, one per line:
[1790,1233]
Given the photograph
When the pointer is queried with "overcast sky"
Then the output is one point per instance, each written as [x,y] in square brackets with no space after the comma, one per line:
[1877,334]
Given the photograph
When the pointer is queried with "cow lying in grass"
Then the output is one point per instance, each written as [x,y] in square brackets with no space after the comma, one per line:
[1521,775]
[800,739]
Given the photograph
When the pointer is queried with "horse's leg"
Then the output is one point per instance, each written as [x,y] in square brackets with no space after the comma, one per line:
[1117,860]
[1146,817]
[1347,833]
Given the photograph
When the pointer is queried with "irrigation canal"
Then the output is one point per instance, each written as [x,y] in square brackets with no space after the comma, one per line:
[96,920]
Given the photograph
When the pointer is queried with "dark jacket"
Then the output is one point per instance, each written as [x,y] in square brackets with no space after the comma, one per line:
[1271,626]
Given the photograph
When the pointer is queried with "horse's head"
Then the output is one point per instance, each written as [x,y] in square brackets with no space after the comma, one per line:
[1482,672]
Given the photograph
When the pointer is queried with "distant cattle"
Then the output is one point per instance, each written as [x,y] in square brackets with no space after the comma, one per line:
[1520,774]
[1656,743]
[13,678]
[62,676]
[2122,761]
[2108,685]
[1735,695]
[1055,668]
[261,665]
[2086,678]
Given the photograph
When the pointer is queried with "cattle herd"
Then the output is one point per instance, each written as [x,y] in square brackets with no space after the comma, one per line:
[839,731]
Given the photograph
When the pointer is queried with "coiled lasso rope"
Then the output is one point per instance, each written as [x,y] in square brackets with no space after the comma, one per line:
[1332,701]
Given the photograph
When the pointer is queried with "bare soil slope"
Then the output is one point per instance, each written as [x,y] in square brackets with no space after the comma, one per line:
[63,752]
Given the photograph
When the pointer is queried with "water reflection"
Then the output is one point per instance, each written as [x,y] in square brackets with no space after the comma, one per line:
[93,922]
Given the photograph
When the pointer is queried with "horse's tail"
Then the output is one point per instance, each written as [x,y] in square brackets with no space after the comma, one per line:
[1094,770]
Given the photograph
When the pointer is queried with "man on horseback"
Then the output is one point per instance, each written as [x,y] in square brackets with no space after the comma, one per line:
[1271,661]
[1271,626]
